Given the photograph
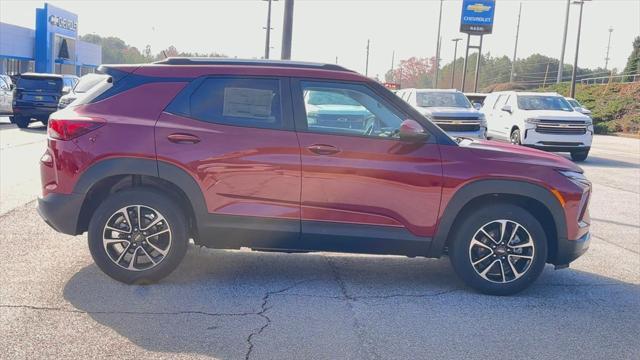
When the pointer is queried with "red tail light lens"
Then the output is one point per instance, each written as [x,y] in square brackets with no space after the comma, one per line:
[67,129]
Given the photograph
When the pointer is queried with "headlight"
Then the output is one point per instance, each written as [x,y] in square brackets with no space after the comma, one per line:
[576,178]
[531,121]
[483,120]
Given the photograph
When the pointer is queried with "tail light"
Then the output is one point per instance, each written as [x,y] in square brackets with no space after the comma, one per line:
[67,129]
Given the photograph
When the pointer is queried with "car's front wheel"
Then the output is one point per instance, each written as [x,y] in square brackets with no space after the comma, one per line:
[515,137]
[499,249]
[138,236]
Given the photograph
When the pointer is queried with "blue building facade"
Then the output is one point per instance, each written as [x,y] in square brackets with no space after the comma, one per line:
[53,47]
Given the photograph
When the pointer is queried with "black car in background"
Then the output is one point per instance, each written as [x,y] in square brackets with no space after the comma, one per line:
[36,96]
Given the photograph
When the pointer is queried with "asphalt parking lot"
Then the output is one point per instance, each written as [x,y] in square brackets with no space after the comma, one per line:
[55,303]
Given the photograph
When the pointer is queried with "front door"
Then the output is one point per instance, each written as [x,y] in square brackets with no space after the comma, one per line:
[235,137]
[363,189]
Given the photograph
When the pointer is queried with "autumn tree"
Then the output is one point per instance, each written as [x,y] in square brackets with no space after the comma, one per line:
[413,72]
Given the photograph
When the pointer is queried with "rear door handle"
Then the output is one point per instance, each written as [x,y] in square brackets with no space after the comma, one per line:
[183,138]
[322,149]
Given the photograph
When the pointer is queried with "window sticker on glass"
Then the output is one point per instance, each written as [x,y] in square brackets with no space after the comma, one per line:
[248,103]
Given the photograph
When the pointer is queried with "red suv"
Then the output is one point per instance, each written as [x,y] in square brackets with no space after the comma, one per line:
[297,157]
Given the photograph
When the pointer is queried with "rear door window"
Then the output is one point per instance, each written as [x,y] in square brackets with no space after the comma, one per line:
[239,102]
[39,84]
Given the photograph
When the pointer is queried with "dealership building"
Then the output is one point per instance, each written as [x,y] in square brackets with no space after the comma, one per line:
[52,47]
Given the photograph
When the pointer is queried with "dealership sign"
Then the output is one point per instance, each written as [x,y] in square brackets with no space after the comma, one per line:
[63,23]
[477,16]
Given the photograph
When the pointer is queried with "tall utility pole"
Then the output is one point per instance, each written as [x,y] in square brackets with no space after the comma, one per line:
[478,59]
[564,43]
[546,72]
[515,47]
[267,44]
[287,29]
[366,65]
[575,61]
[606,59]
[435,82]
[455,55]
[393,60]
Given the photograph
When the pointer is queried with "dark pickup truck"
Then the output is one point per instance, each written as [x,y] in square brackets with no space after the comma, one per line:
[36,97]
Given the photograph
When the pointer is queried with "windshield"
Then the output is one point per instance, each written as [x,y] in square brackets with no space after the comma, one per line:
[87,82]
[330,98]
[442,99]
[542,102]
[574,103]
[42,84]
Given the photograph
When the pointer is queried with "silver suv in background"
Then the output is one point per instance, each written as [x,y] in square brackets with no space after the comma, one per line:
[544,121]
[6,95]
[449,109]
[85,83]
[579,107]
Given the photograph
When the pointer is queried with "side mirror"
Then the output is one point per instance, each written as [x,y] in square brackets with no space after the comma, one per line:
[507,108]
[411,130]
[477,105]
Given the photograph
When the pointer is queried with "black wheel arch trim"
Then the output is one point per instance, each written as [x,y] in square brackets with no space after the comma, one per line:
[147,167]
[479,188]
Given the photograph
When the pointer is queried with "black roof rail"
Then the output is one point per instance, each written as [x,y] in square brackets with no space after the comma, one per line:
[249,62]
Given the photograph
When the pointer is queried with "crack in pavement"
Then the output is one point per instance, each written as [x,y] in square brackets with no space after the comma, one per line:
[614,244]
[76,311]
[262,313]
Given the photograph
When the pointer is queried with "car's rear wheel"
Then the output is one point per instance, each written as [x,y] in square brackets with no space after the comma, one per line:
[579,156]
[138,236]
[499,249]
[21,121]
[515,137]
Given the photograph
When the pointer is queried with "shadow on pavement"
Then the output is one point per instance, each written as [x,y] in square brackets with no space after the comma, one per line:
[223,303]
[606,163]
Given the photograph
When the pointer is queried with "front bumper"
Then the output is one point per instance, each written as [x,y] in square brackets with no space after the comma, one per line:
[478,134]
[61,211]
[569,250]
[557,142]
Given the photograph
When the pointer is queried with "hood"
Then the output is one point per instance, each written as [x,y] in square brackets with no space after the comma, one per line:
[555,115]
[448,111]
[499,151]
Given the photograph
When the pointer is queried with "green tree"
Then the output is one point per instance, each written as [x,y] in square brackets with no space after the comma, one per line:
[633,63]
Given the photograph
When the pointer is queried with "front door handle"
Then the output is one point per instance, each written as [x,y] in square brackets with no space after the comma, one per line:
[322,149]
[179,138]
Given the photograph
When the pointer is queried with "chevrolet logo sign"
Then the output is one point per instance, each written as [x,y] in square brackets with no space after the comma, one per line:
[478,8]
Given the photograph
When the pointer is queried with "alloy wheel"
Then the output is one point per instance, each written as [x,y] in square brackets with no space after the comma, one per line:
[501,251]
[136,237]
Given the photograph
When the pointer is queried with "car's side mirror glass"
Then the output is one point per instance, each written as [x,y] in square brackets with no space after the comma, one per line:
[507,108]
[411,130]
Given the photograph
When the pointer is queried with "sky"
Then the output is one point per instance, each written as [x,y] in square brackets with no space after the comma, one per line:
[326,29]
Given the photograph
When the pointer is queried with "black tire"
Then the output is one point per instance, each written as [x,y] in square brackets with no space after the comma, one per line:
[579,156]
[148,198]
[21,121]
[470,225]
[12,120]
[515,137]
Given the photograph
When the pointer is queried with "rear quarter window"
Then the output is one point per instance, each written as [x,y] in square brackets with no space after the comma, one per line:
[236,101]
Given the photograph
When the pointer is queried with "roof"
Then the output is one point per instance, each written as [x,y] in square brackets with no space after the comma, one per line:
[528,93]
[248,62]
[475,94]
[41,75]
[432,90]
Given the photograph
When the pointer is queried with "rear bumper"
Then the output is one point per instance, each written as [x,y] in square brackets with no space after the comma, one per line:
[569,250]
[35,111]
[61,211]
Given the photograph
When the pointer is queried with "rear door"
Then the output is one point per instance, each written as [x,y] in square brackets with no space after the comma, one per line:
[234,136]
[363,189]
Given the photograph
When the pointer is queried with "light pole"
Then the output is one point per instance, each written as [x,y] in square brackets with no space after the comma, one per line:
[267,44]
[435,82]
[366,65]
[455,55]
[287,29]
[574,72]
[564,43]
[515,47]
[606,59]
